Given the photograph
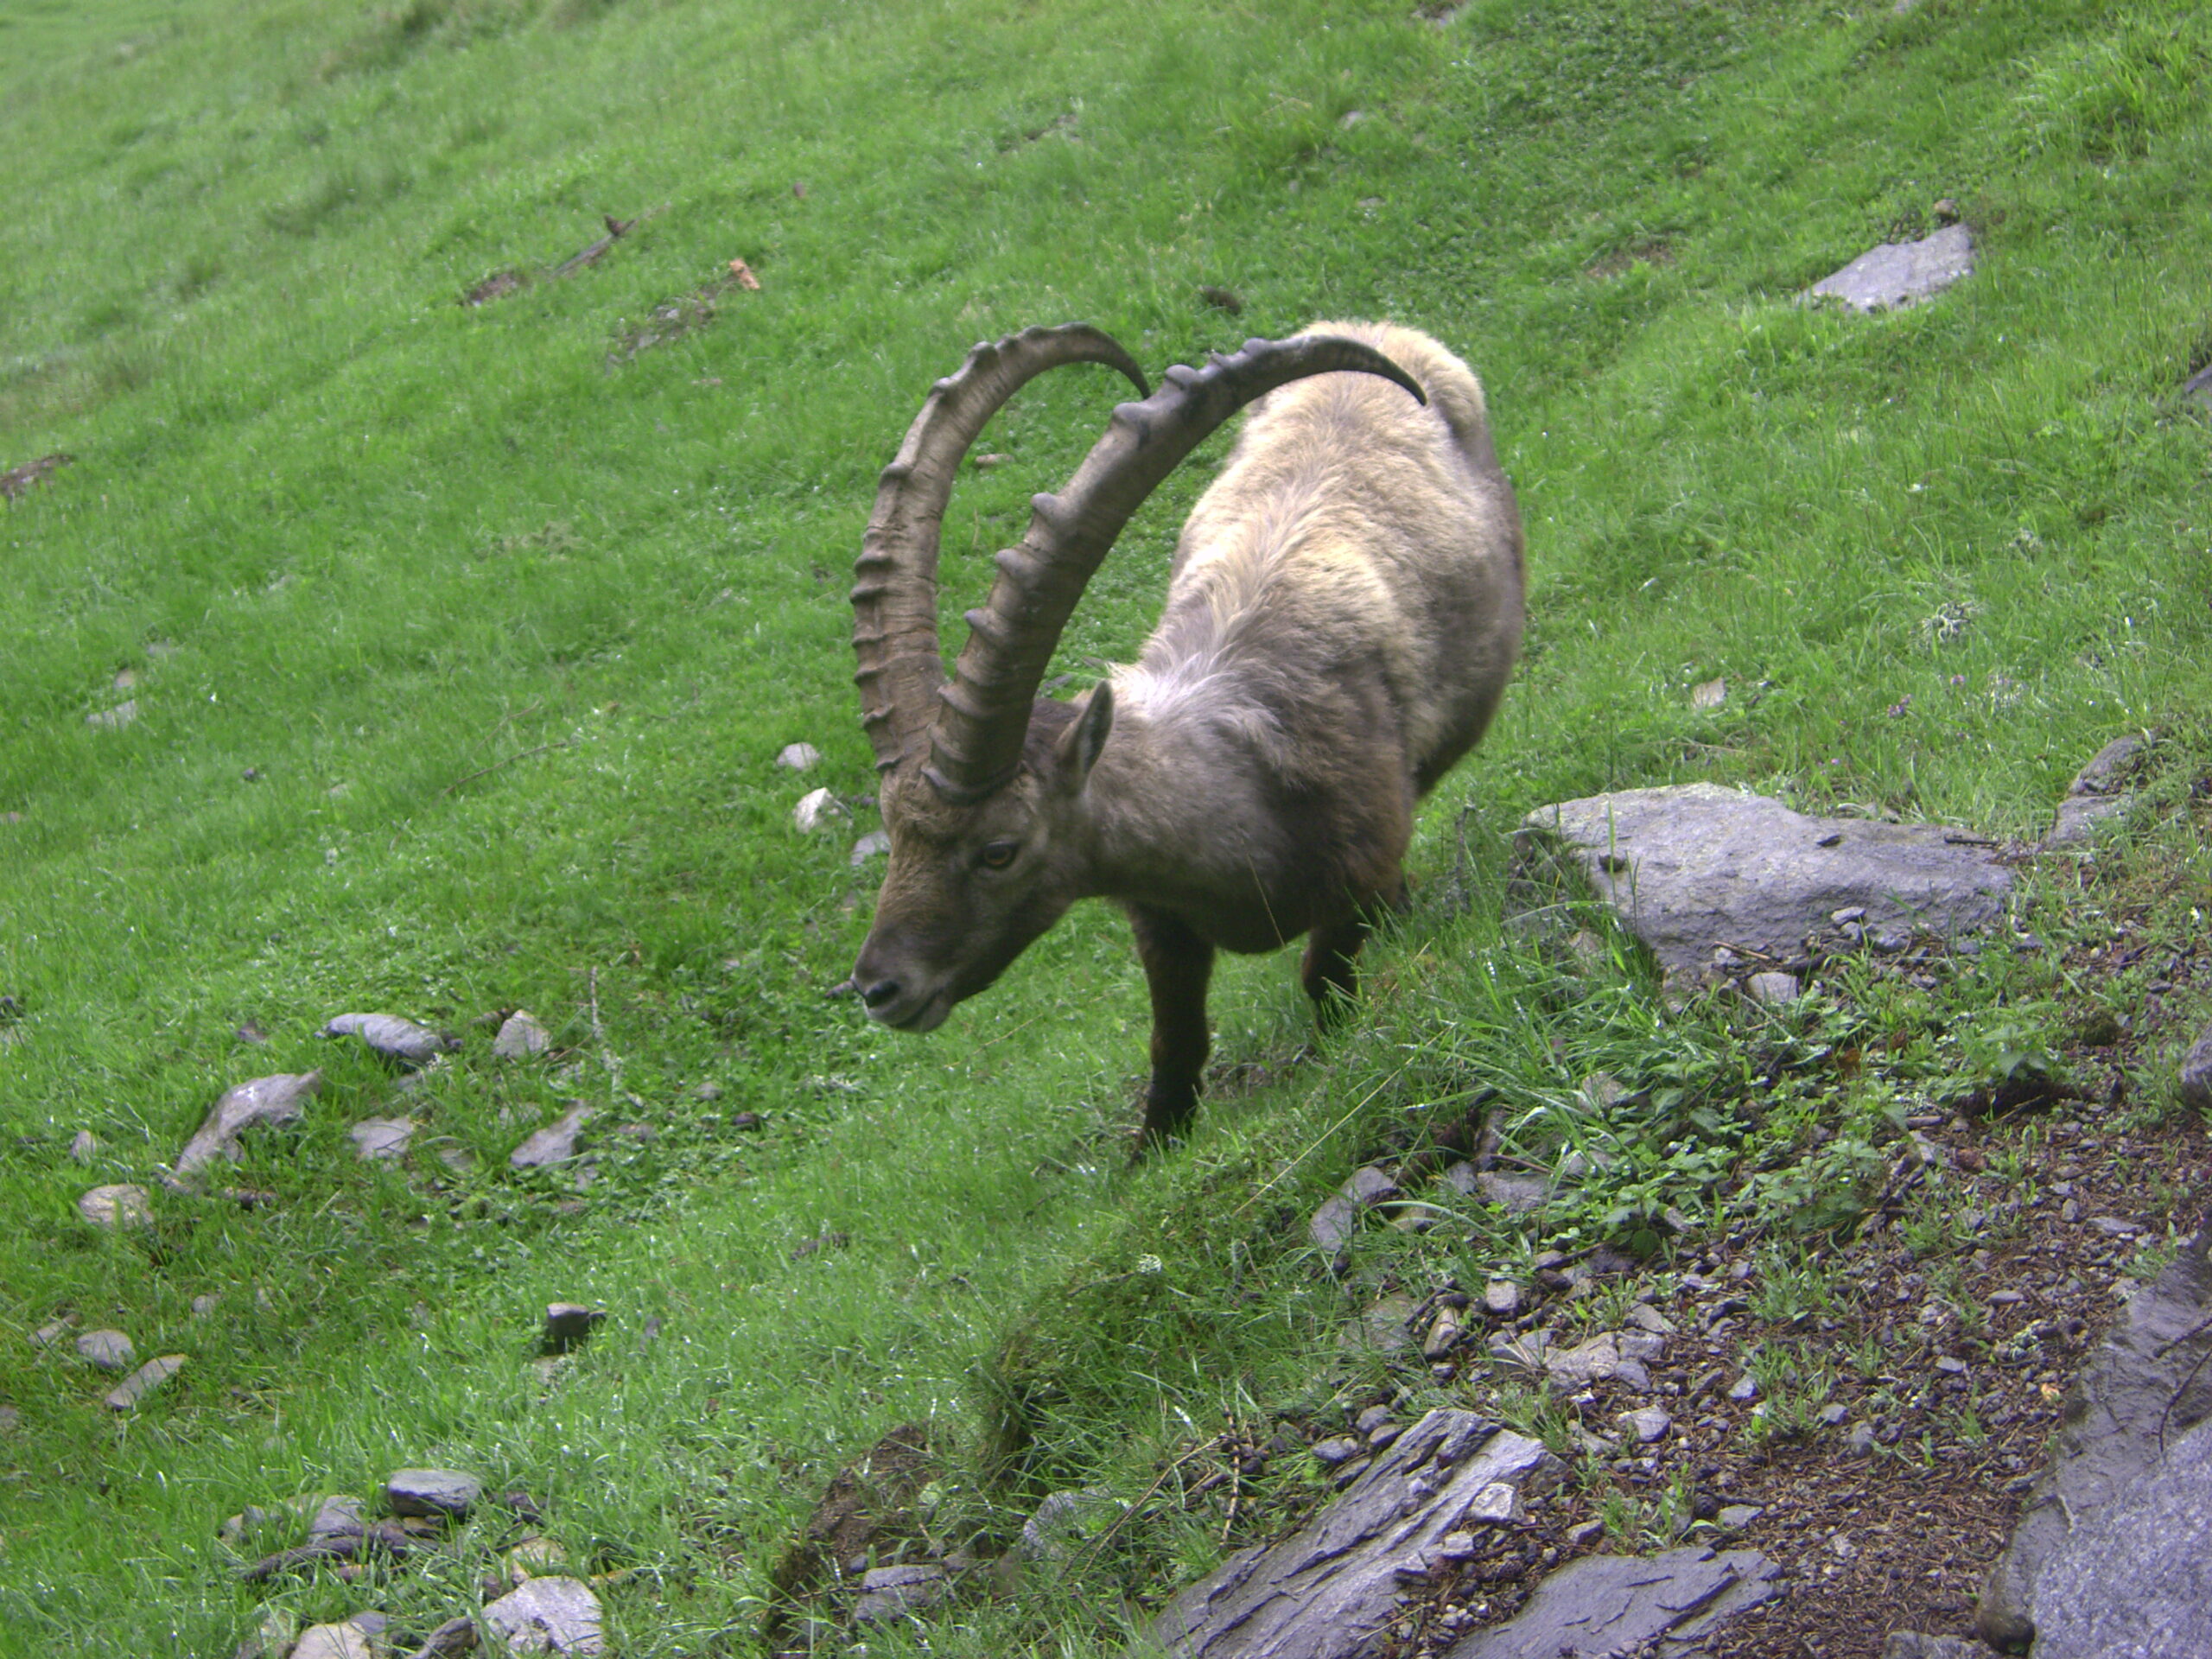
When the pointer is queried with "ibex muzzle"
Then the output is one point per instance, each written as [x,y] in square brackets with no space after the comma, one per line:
[1344,611]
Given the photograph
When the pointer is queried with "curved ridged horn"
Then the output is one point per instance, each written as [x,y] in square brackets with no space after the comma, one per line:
[895,594]
[976,745]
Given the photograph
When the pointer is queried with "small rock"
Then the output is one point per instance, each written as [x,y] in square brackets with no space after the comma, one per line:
[1899,274]
[548,1615]
[520,1038]
[340,1514]
[2070,1211]
[1834,1414]
[1641,1347]
[392,1037]
[1649,1424]
[533,1557]
[1443,1336]
[2194,1083]
[890,1592]
[1745,1387]
[347,1640]
[118,1207]
[1583,1534]
[84,1147]
[1736,1516]
[53,1330]
[2113,1227]
[1331,1228]
[126,1395]
[1860,1441]
[1711,695]
[382,1140]
[1644,1317]
[1517,1195]
[431,1493]
[1774,991]
[1333,1451]
[1499,1504]
[799,757]
[815,810]
[1066,1520]
[115,719]
[454,1636]
[568,1325]
[278,1099]
[1950,1366]
[1593,1361]
[554,1143]
[10,1419]
[109,1349]
[1502,1296]
[874,844]
[1371,1420]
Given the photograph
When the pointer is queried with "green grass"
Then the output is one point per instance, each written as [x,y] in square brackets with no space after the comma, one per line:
[509,632]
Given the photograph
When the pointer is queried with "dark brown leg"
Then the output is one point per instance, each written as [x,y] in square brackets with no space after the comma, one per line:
[1177,965]
[1328,970]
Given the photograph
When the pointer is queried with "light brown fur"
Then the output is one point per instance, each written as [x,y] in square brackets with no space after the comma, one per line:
[1343,610]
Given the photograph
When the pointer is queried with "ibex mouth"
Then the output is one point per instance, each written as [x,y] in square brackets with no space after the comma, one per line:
[917,1017]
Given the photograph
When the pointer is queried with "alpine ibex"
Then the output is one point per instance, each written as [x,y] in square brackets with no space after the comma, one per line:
[1343,609]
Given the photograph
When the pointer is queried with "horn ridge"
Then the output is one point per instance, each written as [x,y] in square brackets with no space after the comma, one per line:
[983,717]
[894,599]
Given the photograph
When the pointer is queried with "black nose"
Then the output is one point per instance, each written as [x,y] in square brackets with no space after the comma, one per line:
[883,991]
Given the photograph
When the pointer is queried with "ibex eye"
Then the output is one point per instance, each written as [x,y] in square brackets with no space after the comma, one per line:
[1000,853]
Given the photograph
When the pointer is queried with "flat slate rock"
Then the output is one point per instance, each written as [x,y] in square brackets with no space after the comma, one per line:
[392,1037]
[2113,1512]
[2099,793]
[520,1037]
[555,1143]
[1606,1605]
[1696,869]
[278,1099]
[1898,274]
[431,1491]
[1332,1590]
[382,1140]
[548,1615]
[109,1349]
[128,1395]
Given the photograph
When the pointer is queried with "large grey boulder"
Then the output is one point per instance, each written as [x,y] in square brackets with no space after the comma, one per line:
[2115,1545]
[1898,274]
[1331,1590]
[279,1099]
[1602,1606]
[1716,881]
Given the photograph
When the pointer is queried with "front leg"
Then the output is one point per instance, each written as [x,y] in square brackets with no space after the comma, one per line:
[1177,965]
[1328,973]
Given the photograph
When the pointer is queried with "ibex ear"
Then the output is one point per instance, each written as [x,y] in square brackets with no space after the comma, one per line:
[1079,745]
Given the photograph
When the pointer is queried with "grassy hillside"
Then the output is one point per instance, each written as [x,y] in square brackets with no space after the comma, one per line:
[459,642]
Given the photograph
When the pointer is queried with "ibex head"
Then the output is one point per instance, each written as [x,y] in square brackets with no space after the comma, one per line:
[982,787]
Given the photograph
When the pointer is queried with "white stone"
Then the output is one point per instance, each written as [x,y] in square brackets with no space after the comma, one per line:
[1898,274]
[815,810]
[520,1037]
[116,1206]
[799,757]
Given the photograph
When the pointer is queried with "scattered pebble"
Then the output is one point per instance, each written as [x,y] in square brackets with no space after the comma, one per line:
[51,1332]
[109,1349]
[520,1037]
[127,1394]
[815,810]
[84,1147]
[1736,1516]
[874,844]
[1860,1442]
[382,1140]
[278,1099]
[799,757]
[554,1143]
[123,1205]
[392,1037]
[431,1493]
[10,1419]
[1649,1424]
[111,719]
[548,1615]
[1502,1296]
[1744,1388]
[568,1325]
[1499,1503]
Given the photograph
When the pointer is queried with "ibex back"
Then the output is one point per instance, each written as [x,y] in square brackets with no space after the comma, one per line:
[1344,611]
